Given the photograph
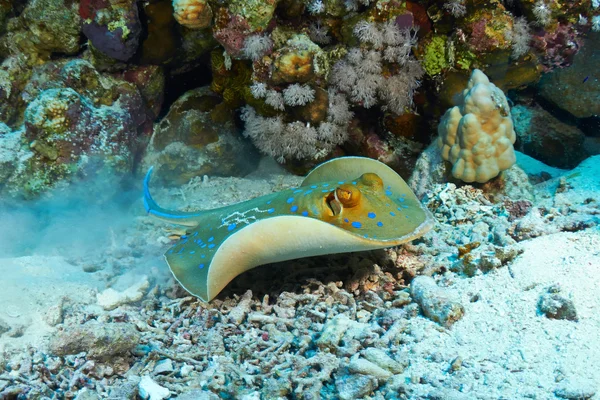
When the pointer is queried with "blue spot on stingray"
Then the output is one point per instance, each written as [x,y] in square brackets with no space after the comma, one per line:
[192,252]
[388,192]
[203,245]
[180,251]
[201,266]
[399,208]
[271,210]
[346,220]
[297,191]
[341,182]
[371,215]
[294,208]
[379,223]
[354,182]
[356,224]
[305,213]
[210,239]
[269,202]
[325,184]
[401,199]
[407,216]
[184,236]
[210,246]
[325,190]
[170,251]
[290,200]
[313,186]
[231,227]
[405,206]
[202,256]
[195,234]
[307,192]
[393,214]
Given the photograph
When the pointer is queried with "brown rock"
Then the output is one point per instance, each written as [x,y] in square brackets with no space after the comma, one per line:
[100,341]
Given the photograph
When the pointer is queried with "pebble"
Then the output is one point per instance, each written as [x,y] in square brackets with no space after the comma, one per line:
[251,396]
[186,370]
[150,390]
[436,303]
[54,315]
[198,394]
[4,327]
[333,331]
[164,367]
[110,299]
[383,360]
[575,388]
[354,386]
[87,394]
[99,340]
[238,314]
[365,367]
[555,305]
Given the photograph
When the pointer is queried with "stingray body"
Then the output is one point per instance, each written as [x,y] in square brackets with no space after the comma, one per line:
[343,205]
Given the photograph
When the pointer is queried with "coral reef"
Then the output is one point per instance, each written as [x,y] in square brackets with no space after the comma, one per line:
[76,123]
[312,79]
[188,142]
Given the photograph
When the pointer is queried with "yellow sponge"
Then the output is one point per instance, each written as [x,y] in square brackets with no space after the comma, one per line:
[477,134]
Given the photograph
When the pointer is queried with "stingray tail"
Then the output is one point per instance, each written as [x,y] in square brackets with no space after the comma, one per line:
[174,217]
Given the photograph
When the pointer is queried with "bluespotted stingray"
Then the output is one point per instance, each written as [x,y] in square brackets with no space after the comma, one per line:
[343,205]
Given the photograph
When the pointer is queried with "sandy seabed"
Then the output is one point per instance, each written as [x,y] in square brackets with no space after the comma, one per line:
[106,320]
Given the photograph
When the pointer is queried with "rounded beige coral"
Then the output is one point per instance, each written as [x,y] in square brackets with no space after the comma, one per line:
[193,14]
[477,134]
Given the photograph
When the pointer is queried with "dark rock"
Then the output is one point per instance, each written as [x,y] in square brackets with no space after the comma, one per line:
[576,89]
[543,137]
[113,29]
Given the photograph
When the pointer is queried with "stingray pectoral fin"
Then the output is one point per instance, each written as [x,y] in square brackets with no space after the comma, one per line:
[266,241]
[174,217]
[350,168]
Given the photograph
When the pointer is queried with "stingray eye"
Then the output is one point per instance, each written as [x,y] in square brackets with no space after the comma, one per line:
[348,195]
[372,180]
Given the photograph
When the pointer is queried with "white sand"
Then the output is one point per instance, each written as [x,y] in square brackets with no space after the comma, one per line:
[509,350]
[31,287]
